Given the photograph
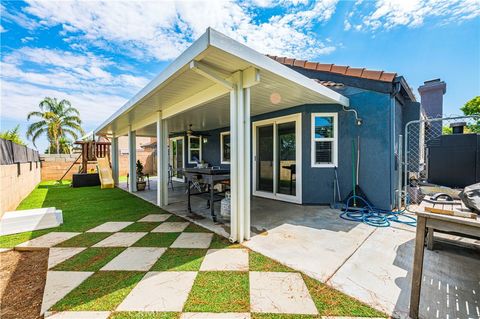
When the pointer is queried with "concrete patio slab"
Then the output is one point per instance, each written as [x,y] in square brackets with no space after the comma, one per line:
[155,218]
[109,227]
[192,240]
[160,291]
[57,255]
[46,241]
[80,315]
[280,292]
[59,284]
[135,259]
[121,239]
[171,227]
[212,315]
[225,260]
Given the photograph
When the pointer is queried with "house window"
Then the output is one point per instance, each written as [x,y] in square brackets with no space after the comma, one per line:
[324,140]
[225,147]
[194,149]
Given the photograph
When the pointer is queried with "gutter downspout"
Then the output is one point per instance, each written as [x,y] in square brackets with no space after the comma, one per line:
[396,90]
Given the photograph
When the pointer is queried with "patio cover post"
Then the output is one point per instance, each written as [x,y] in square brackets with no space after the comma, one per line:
[132,160]
[162,161]
[114,159]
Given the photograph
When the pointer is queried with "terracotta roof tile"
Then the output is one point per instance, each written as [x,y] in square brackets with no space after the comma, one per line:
[338,69]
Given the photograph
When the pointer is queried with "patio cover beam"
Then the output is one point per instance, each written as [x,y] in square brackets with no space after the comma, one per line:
[210,73]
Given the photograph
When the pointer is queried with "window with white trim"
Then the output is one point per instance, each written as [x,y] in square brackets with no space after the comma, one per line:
[225,147]
[194,149]
[324,139]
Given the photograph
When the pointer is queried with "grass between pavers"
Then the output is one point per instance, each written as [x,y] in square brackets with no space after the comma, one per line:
[141,227]
[103,291]
[84,240]
[220,242]
[219,291]
[157,240]
[180,259]
[175,218]
[83,208]
[259,262]
[144,315]
[91,259]
[282,316]
[194,228]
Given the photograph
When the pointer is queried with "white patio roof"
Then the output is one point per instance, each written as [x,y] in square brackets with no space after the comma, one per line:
[185,95]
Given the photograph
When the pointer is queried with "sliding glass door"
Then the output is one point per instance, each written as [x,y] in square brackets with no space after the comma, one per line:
[277,158]
[177,158]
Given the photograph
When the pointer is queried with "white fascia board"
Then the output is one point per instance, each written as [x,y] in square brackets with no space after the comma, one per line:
[233,47]
[200,45]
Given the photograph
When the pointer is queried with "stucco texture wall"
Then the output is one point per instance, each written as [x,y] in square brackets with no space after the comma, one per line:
[16,182]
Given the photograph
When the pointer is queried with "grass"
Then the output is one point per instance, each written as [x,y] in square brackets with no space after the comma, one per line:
[140,227]
[219,291]
[220,242]
[144,315]
[282,316]
[83,208]
[194,228]
[180,259]
[84,240]
[157,240]
[91,259]
[258,262]
[175,218]
[102,291]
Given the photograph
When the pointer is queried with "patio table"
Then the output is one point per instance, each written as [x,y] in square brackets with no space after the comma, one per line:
[425,220]
[210,177]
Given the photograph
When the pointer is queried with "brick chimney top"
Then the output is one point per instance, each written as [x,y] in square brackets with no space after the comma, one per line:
[435,84]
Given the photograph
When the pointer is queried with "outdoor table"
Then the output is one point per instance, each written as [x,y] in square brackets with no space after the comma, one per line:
[458,225]
[210,177]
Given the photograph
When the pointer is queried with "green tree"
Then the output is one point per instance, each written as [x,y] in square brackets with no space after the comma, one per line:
[13,135]
[472,107]
[56,120]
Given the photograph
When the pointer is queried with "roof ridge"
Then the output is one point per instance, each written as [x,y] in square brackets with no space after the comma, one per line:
[378,75]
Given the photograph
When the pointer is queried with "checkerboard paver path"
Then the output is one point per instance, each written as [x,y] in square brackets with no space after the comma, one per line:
[185,256]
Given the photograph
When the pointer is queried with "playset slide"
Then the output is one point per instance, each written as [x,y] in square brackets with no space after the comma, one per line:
[105,173]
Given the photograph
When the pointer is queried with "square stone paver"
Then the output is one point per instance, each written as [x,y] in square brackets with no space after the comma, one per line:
[109,227]
[80,315]
[280,292]
[225,260]
[59,284]
[160,291]
[58,255]
[192,240]
[46,241]
[212,315]
[155,218]
[121,239]
[135,258]
[171,227]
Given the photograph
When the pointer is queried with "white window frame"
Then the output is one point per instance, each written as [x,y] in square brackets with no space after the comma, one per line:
[325,139]
[195,149]
[222,160]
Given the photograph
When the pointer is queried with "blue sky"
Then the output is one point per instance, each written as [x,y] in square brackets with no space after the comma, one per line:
[99,54]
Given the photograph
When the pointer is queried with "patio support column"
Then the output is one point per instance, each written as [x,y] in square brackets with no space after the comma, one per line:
[114,159]
[162,161]
[240,160]
[132,160]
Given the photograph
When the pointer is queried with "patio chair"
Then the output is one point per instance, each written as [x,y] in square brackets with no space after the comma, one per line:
[170,176]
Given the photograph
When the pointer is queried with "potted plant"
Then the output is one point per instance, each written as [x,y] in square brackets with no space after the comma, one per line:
[141,183]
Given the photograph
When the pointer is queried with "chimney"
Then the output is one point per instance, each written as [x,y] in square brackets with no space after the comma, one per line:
[431,97]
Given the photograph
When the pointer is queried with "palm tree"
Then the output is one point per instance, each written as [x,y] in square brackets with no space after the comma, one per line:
[57,120]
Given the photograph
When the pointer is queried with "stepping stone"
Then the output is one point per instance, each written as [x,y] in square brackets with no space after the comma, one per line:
[135,258]
[46,241]
[109,227]
[225,260]
[280,292]
[80,315]
[212,315]
[4,250]
[58,255]
[192,240]
[171,227]
[59,284]
[160,291]
[155,218]
[121,239]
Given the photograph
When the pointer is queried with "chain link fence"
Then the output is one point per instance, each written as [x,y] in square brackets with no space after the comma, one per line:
[419,136]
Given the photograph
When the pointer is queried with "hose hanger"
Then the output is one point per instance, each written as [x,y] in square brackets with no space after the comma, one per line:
[358,121]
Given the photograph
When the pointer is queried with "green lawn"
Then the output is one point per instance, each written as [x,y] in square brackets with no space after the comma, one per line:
[83,208]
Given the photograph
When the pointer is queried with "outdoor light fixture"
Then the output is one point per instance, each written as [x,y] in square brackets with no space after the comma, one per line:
[205,140]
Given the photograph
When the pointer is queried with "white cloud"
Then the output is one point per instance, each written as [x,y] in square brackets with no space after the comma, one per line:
[162,30]
[388,14]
